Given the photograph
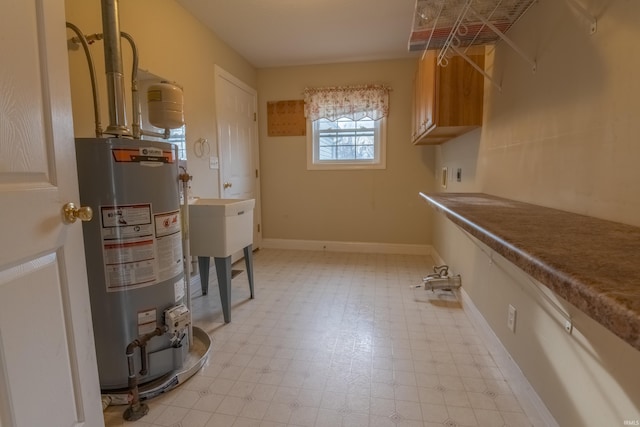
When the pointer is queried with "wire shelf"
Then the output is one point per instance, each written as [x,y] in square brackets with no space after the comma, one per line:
[438,24]
[451,26]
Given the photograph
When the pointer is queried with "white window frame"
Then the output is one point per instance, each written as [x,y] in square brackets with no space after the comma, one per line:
[379,161]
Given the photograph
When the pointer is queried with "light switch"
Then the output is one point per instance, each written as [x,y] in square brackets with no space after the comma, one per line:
[213,162]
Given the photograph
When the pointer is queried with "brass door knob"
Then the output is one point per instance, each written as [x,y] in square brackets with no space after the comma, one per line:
[72,213]
[227,185]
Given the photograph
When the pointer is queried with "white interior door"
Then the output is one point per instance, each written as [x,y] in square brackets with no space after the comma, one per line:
[48,373]
[236,114]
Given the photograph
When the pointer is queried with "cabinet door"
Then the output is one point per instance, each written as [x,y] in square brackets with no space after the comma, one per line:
[449,98]
[416,118]
[461,89]
[428,90]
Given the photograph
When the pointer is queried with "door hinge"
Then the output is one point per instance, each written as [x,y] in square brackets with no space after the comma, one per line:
[258,228]
[256,173]
[255,117]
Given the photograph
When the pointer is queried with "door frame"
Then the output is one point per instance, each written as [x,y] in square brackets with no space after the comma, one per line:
[221,73]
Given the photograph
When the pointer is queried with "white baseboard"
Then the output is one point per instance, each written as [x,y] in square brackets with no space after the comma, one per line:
[531,403]
[437,259]
[360,247]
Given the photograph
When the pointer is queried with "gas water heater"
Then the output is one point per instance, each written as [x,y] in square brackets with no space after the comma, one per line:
[145,342]
[134,258]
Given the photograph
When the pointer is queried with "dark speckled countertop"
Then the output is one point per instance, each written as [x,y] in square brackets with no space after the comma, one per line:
[592,263]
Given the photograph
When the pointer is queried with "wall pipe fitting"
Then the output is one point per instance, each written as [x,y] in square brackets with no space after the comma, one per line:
[440,279]
[443,283]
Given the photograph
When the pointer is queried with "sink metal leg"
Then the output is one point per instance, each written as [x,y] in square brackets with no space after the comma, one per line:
[203,266]
[223,271]
[248,262]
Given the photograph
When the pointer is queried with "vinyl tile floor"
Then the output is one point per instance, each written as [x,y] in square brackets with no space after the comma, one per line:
[338,340]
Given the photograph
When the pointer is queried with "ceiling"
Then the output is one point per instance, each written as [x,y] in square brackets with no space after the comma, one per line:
[277,33]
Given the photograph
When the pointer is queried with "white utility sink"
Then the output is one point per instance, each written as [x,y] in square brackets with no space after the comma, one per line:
[220,227]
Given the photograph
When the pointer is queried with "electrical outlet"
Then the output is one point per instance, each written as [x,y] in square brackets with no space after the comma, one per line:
[511,319]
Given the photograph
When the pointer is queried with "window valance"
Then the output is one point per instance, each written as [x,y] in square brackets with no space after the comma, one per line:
[352,102]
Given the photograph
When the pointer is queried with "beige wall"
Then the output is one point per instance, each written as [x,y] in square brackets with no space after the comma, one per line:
[566,137]
[171,44]
[377,206]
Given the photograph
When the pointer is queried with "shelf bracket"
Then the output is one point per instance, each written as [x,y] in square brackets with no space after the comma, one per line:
[506,39]
[593,22]
[474,65]
[453,43]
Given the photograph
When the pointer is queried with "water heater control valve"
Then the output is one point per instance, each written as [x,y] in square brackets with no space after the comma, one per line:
[177,319]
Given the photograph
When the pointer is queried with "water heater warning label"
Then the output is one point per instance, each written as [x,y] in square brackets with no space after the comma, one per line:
[169,244]
[140,248]
[121,217]
[129,247]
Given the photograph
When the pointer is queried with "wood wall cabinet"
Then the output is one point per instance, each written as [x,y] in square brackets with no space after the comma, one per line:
[447,100]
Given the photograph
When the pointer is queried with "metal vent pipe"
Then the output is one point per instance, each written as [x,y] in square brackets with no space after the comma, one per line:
[113,66]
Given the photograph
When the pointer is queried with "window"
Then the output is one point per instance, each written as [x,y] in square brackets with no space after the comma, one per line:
[346,127]
[177,137]
[347,143]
